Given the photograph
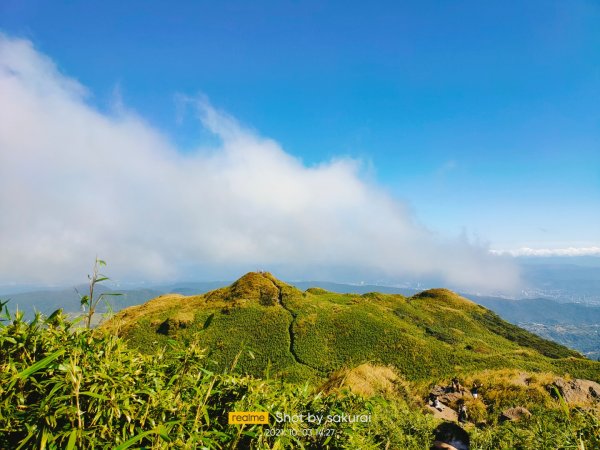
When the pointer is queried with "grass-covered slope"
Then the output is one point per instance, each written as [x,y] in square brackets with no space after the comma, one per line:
[63,386]
[262,325]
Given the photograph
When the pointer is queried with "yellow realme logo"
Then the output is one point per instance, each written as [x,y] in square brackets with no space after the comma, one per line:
[248,417]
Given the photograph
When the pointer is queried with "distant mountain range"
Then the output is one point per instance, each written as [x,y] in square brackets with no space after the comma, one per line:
[576,280]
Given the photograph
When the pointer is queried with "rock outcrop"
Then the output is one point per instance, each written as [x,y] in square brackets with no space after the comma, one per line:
[515,414]
[576,392]
[446,413]
[448,397]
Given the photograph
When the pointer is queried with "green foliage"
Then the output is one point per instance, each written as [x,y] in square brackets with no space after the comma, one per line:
[262,345]
[67,387]
[300,335]
[91,299]
[523,337]
[64,387]
[549,428]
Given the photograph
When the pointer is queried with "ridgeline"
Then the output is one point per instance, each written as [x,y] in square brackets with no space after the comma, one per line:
[301,335]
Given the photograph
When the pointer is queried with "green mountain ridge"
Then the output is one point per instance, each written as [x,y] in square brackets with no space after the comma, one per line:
[574,325]
[261,325]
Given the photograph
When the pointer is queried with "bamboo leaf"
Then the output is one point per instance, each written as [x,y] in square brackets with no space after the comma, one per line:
[72,440]
[159,430]
[40,364]
[134,439]
[93,394]
[54,315]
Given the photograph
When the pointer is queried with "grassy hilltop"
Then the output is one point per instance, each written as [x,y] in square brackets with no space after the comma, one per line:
[300,335]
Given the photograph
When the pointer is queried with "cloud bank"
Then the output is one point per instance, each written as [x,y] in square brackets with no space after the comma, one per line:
[545,252]
[76,182]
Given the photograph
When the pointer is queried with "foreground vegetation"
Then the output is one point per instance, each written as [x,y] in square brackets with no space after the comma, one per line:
[63,386]
[66,388]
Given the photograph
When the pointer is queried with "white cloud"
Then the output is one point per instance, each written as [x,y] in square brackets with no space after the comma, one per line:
[568,251]
[75,182]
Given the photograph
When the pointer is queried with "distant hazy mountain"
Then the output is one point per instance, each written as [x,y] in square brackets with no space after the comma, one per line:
[48,301]
[541,310]
[566,279]
[572,324]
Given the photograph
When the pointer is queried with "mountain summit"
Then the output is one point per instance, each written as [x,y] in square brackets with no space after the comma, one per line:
[260,323]
[261,287]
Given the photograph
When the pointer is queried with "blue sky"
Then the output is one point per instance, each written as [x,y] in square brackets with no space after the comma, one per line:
[483,117]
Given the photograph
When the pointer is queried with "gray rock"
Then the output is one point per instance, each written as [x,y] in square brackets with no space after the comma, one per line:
[576,392]
[515,414]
